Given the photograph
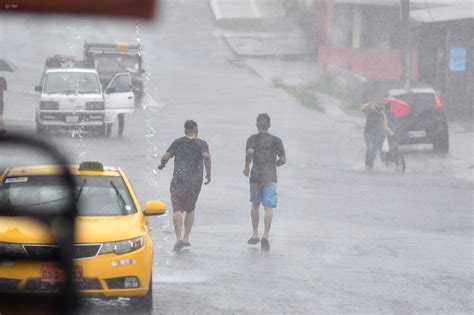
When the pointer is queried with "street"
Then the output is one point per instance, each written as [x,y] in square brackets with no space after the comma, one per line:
[342,240]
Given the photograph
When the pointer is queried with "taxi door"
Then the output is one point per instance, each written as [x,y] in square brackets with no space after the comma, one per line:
[118,96]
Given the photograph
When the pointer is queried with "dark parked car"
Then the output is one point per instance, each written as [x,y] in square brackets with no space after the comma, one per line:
[427,121]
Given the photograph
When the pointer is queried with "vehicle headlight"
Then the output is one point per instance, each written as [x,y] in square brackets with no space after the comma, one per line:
[122,247]
[49,105]
[95,105]
[11,250]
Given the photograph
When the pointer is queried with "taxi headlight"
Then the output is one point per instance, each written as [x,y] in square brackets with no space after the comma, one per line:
[122,247]
[11,250]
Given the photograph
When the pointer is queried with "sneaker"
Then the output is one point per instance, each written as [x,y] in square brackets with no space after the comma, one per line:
[265,244]
[253,240]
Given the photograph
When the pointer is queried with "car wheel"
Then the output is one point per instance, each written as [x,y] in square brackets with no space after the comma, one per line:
[105,130]
[441,143]
[143,303]
[139,98]
[121,124]
[108,130]
[403,164]
[40,129]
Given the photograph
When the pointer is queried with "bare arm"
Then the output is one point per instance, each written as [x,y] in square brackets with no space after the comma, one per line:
[280,150]
[164,159]
[385,125]
[207,165]
[281,160]
[248,160]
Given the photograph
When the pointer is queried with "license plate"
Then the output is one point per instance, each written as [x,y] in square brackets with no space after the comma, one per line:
[54,274]
[417,134]
[72,119]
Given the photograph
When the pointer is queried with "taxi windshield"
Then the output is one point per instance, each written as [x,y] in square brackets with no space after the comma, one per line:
[95,195]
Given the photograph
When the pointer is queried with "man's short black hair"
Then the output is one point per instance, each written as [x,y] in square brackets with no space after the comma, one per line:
[263,121]
[189,125]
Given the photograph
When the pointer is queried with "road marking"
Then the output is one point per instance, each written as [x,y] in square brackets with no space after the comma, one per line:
[215,8]
[254,7]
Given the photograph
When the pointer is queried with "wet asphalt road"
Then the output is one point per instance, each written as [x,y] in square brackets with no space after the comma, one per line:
[343,240]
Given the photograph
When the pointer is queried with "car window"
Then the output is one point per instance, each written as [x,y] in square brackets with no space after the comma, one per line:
[96,195]
[419,102]
[423,102]
[121,84]
[115,64]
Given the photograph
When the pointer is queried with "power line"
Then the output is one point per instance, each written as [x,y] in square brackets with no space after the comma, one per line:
[429,11]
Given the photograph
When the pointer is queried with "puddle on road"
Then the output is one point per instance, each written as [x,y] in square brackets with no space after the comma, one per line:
[182,277]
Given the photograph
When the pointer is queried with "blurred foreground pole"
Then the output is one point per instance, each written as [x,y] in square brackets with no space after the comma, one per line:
[125,8]
[405,44]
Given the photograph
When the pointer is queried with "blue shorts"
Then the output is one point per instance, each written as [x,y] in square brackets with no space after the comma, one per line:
[264,194]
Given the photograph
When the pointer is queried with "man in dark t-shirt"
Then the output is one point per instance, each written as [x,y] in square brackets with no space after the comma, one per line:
[189,153]
[266,152]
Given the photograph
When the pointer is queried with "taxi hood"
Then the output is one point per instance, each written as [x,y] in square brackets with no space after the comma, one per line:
[88,229]
[108,229]
[24,230]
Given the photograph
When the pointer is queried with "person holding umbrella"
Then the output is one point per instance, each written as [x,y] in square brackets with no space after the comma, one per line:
[376,128]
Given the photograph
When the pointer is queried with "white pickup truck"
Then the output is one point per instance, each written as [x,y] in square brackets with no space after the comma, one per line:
[72,98]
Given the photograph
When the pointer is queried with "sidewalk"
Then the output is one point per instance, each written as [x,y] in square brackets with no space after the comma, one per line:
[270,43]
[245,10]
[259,45]
[258,28]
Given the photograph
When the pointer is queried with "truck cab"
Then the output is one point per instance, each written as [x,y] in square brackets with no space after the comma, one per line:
[113,58]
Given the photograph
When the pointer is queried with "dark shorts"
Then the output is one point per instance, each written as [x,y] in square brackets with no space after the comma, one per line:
[184,200]
[264,194]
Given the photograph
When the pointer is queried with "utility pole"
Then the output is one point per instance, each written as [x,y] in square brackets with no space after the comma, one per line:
[405,72]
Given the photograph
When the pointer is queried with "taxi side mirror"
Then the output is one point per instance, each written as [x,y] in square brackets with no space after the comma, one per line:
[154,208]
[38,88]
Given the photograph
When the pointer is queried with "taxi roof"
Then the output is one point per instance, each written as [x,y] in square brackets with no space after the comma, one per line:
[44,170]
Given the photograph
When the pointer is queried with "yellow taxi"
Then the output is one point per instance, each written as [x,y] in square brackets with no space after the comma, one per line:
[113,250]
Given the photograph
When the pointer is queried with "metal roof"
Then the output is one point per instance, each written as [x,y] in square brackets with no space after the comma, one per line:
[416,3]
[444,14]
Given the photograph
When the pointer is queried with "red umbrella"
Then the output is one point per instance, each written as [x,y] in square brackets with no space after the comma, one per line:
[398,107]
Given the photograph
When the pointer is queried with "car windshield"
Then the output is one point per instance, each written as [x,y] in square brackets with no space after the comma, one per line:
[71,82]
[96,195]
[419,102]
[116,63]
